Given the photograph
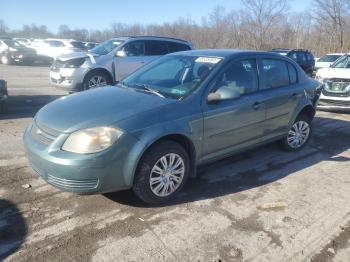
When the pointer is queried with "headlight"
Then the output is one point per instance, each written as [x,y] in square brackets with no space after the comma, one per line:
[91,140]
[74,63]
[13,49]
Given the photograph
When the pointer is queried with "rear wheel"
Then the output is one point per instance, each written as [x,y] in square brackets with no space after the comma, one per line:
[161,173]
[299,134]
[96,79]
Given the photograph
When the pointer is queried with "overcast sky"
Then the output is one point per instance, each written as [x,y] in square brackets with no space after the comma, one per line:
[102,13]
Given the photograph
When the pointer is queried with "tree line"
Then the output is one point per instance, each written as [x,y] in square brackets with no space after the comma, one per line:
[323,27]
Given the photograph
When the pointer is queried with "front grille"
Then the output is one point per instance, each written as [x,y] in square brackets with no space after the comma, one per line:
[337,85]
[43,134]
[327,93]
[72,183]
[334,103]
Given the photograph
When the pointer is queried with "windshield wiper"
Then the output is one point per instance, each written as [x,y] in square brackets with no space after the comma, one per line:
[149,89]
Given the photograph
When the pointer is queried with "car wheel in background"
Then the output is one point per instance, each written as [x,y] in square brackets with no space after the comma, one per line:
[6,60]
[299,134]
[96,79]
[161,173]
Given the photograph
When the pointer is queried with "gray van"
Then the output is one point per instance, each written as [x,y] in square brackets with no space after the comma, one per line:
[110,61]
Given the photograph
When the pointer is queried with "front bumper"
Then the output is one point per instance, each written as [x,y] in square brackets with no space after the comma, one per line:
[102,172]
[334,103]
[68,79]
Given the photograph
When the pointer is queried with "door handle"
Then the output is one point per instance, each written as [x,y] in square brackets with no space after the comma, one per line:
[256,105]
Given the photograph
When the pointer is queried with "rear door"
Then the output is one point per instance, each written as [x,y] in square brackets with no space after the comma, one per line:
[281,92]
[134,58]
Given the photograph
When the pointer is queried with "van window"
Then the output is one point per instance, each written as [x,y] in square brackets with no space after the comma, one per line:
[275,73]
[155,48]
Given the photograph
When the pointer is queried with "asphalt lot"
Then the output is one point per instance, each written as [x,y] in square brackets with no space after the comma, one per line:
[264,205]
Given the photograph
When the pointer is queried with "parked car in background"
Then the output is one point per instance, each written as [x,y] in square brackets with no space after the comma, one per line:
[56,47]
[110,61]
[303,57]
[24,41]
[90,45]
[3,96]
[326,61]
[336,80]
[182,110]
[12,52]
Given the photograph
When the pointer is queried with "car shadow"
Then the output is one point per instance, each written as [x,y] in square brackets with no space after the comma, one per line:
[258,167]
[22,106]
[13,228]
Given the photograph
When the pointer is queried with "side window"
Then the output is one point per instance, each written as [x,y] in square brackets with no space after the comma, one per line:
[177,47]
[54,43]
[241,76]
[275,73]
[135,48]
[301,57]
[292,73]
[154,47]
[293,56]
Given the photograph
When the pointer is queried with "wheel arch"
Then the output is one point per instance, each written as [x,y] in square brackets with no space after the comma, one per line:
[99,69]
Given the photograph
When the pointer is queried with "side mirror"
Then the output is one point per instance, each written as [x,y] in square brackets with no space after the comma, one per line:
[223,93]
[120,53]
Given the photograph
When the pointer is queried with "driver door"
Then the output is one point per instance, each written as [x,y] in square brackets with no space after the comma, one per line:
[129,58]
[232,124]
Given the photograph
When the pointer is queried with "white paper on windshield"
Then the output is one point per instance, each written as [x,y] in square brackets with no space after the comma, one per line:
[210,60]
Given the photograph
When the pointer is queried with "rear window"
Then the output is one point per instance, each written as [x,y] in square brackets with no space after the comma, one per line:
[275,73]
[177,47]
[78,44]
[155,48]
[54,43]
[292,73]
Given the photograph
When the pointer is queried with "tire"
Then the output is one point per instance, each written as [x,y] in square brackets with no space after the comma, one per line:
[5,60]
[295,141]
[150,166]
[94,76]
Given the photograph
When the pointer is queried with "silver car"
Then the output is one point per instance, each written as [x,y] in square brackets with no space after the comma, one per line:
[110,61]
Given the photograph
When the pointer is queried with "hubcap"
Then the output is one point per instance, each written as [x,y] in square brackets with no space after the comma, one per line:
[167,174]
[298,134]
[97,81]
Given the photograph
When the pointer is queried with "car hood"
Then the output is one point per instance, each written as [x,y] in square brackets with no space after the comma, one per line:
[99,107]
[75,55]
[323,64]
[331,72]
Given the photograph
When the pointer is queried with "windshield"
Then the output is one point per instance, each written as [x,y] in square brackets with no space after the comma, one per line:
[328,58]
[106,47]
[12,43]
[343,62]
[172,76]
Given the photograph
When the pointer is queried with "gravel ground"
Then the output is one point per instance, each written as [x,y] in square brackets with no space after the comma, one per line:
[264,205]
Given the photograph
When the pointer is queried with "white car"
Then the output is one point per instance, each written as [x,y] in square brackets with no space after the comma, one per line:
[57,47]
[336,80]
[327,60]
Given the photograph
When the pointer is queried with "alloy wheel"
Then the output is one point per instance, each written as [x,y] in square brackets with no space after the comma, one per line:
[298,134]
[97,81]
[167,175]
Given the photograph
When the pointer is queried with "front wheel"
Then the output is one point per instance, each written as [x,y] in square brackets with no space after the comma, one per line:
[161,173]
[96,79]
[299,134]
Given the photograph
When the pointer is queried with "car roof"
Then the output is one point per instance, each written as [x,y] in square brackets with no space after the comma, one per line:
[151,37]
[224,53]
[335,54]
[289,50]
